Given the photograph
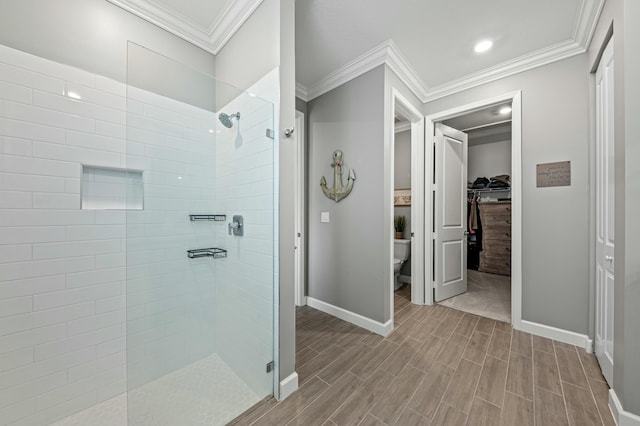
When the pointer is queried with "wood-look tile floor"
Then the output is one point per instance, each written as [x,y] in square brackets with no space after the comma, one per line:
[440,366]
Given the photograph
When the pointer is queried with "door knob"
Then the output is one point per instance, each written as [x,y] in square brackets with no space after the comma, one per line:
[608,258]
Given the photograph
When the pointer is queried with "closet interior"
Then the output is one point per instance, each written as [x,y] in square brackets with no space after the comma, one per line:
[489,213]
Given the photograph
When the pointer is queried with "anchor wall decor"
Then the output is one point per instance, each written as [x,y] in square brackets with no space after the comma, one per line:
[338,192]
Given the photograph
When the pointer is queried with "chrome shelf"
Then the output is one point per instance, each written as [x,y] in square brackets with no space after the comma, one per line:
[212,217]
[216,253]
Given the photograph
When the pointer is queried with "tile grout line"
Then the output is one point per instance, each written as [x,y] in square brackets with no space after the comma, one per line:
[590,387]
[564,399]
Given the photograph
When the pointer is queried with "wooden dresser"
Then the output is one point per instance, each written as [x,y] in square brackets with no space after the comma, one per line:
[495,217]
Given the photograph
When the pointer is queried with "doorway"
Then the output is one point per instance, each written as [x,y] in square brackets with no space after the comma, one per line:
[604,212]
[410,125]
[487,219]
[503,126]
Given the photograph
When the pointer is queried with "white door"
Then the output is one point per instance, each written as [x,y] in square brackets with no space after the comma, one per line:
[299,213]
[605,213]
[450,212]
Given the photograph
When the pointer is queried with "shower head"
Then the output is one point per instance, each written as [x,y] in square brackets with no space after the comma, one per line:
[225,119]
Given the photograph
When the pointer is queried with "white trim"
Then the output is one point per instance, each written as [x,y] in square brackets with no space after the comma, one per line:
[299,210]
[401,105]
[564,336]
[517,65]
[211,39]
[622,418]
[231,19]
[405,72]
[404,279]
[587,21]
[352,317]
[360,65]
[301,92]
[288,386]
[516,200]
[387,53]
[401,127]
[516,208]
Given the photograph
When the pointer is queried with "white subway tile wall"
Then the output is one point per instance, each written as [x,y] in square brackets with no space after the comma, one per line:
[245,185]
[76,297]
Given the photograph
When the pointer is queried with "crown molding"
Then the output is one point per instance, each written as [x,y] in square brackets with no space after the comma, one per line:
[405,72]
[587,21]
[402,126]
[360,65]
[301,92]
[520,64]
[211,39]
[383,54]
[387,53]
[231,19]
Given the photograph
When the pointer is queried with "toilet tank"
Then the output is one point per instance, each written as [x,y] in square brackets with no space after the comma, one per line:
[401,249]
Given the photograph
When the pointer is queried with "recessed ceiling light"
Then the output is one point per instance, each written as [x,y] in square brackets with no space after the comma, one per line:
[483,46]
[505,110]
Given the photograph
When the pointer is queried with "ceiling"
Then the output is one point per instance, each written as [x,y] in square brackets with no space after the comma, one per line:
[208,24]
[432,41]
[481,118]
[428,43]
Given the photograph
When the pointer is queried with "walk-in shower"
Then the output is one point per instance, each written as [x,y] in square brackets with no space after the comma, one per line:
[126,301]
[225,119]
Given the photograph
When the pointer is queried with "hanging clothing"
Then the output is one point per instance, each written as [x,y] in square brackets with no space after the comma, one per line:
[473,217]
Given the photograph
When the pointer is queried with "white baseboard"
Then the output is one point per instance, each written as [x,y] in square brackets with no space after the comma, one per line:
[303,301]
[404,279]
[353,318]
[564,336]
[288,386]
[622,418]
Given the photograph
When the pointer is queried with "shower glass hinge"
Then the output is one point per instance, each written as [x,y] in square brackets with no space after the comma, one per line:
[269,367]
[271,134]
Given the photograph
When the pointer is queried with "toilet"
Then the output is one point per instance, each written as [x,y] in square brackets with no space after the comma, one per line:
[401,249]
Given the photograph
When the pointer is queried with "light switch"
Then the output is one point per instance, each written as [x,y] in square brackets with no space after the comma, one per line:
[324,217]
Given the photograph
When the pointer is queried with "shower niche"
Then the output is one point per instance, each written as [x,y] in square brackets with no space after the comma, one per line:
[111,189]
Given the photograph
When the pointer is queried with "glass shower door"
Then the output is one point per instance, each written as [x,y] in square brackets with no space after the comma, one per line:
[199,245]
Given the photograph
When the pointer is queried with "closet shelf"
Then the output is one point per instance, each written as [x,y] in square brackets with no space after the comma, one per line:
[489,190]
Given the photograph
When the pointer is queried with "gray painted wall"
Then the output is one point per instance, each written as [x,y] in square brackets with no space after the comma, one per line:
[301,105]
[254,50]
[402,180]
[555,278]
[624,17]
[631,273]
[346,256]
[489,159]
[287,313]
[90,34]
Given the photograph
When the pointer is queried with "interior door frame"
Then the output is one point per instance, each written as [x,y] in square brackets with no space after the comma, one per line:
[516,194]
[403,106]
[299,211]
[593,298]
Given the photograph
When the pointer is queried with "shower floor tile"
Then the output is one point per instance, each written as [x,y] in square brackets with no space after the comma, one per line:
[206,392]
